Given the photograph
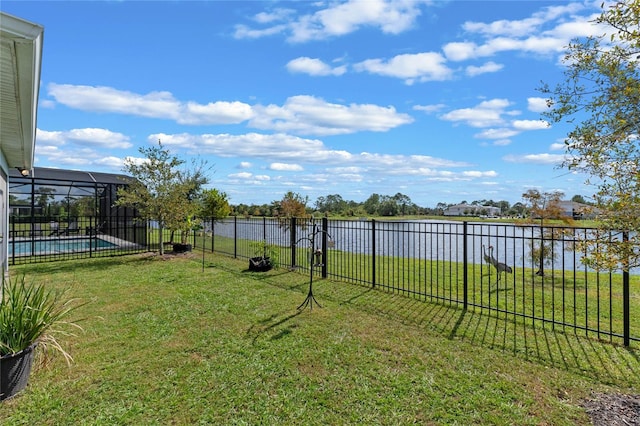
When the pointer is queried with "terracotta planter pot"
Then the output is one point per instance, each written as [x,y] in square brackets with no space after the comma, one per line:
[14,372]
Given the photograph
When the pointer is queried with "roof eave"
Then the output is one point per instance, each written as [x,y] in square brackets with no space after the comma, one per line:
[24,40]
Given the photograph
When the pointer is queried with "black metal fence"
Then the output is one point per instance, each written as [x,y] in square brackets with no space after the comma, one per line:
[520,271]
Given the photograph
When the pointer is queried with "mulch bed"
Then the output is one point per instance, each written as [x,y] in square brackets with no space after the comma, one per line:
[613,409]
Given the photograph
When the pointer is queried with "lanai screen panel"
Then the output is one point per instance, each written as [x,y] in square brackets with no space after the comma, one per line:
[52,203]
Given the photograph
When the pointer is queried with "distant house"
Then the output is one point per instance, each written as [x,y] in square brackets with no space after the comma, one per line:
[576,210]
[471,210]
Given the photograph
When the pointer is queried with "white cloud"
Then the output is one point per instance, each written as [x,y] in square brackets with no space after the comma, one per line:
[500,133]
[288,153]
[71,157]
[242,175]
[460,51]
[428,66]
[110,162]
[546,31]
[549,159]
[284,167]
[300,114]
[479,174]
[218,112]
[529,124]
[485,114]
[537,104]
[390,17]
[279,14]
[243,31]
[85,137]
[46,103]
[309,115]
[429,108]
[244,165]
[483,69]
[337,19]
[136,160]
[522,27]
[315,67]
[154,105]
[345,170]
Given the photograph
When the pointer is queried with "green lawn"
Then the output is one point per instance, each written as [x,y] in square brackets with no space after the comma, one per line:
[167,341]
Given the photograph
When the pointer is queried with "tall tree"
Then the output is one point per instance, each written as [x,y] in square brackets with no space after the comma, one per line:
[600,97]
[372,204]
[403,203]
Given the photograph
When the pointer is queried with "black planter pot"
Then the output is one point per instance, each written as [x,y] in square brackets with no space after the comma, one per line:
[181,248]
[260,264]
[14,372]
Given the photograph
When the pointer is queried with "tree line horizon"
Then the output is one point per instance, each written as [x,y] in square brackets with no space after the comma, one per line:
[375,205]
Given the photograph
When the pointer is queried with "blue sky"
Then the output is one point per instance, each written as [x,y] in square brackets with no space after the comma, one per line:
[437,100]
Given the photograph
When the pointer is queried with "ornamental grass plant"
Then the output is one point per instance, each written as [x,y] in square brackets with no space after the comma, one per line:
[31,313]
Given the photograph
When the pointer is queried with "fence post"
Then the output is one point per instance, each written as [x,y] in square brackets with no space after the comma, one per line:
[325,229]
[264,230]
[465,272]
[12,235]
[235,236]
[92,240]
[213,233]
[373,253]
[293,240]
[625,295]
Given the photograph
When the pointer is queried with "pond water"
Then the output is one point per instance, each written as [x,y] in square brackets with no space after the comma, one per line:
[435,240]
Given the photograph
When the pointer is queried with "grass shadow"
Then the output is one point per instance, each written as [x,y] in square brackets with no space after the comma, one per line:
[535,342]
[271,323]
[527,339]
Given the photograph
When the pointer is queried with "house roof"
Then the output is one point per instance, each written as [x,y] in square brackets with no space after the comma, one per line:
[20,67]
[68,177]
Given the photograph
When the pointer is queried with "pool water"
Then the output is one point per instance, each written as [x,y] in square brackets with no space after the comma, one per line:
[55,246]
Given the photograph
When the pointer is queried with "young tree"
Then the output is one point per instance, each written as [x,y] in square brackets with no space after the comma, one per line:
[291,205]
[601,98]
[160,191]
[184,218]
[544,206]
[214,204]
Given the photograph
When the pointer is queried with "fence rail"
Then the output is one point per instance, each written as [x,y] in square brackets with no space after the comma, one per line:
[527,272]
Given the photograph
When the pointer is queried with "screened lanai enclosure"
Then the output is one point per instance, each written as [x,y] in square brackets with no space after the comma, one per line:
[65,214]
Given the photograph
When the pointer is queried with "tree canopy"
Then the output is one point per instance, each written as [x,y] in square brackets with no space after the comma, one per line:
[214,204]
[600,98]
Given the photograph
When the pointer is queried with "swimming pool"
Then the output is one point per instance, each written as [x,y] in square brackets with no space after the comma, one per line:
[57,246]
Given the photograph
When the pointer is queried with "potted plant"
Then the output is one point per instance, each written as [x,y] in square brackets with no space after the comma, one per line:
[265,257]
[31,317]
[189,225]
